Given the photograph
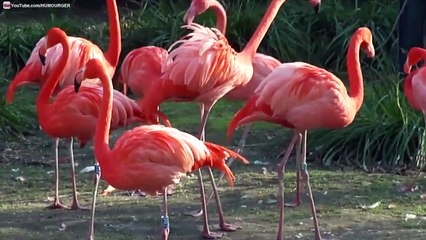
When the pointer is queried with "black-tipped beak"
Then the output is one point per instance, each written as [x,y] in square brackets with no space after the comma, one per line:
[76,85]
[42,59]
[317,8]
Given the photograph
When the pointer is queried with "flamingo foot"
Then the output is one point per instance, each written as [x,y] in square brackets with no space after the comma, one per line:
[107,191]
[212,235]
[295,203]
[77,206]
[229,227]
[195,213]
[57,205]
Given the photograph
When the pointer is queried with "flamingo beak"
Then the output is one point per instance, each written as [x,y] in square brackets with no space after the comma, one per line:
[317,8]
[407,67]
[42,58]
[77,81]
[189,16]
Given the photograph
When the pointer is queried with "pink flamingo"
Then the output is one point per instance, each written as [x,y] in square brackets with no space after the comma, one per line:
[74,115]
[140,68]
[82,51]
[262,66]
[415,90]
[149,158]
[303,97]
[203,69]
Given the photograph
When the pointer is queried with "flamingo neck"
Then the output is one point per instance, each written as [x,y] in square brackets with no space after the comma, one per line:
[220,16]
[356,91]
[112,55]
[43,99]
[101,138]
[254,42]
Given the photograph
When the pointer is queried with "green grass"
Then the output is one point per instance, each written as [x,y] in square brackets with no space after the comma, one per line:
[250,203]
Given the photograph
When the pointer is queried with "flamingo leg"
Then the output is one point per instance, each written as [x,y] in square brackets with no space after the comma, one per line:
[298,200]
[281,170]
[206,230]
[95,192]
[239,149]
[75,205]
[56,203]
[409,186]
[165,218]
[305,176]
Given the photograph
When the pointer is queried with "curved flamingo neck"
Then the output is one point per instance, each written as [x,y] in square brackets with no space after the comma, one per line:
[221,18]
[259,34]
[112,55]
[356,91]
[101,138]
[43,99]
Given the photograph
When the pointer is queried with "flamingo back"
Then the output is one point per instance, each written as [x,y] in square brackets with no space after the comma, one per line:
[154,156]
[263,65]
[81,51]
[141,67]
[75,114]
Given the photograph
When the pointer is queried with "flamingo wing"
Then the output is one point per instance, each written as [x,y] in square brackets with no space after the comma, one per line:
[205,63]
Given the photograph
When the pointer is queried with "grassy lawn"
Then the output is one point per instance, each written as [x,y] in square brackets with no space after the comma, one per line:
[27,188]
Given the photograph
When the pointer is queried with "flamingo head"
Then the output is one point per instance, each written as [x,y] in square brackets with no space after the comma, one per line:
[366,41]
[54,36]
[415,55]
[93,69]
[316,4]
[197,7]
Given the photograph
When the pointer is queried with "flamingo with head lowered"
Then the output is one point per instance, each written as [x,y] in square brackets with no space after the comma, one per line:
[303,97]
[262,67]
[150,157]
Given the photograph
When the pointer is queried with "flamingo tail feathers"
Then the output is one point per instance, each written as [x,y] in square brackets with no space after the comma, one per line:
[217,160]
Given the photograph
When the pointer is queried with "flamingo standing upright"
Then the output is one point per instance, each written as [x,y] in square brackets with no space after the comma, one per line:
[150,157]
[82,51]
[415,89]
[262,66]
[303,97]
[203,68]
[74,115]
